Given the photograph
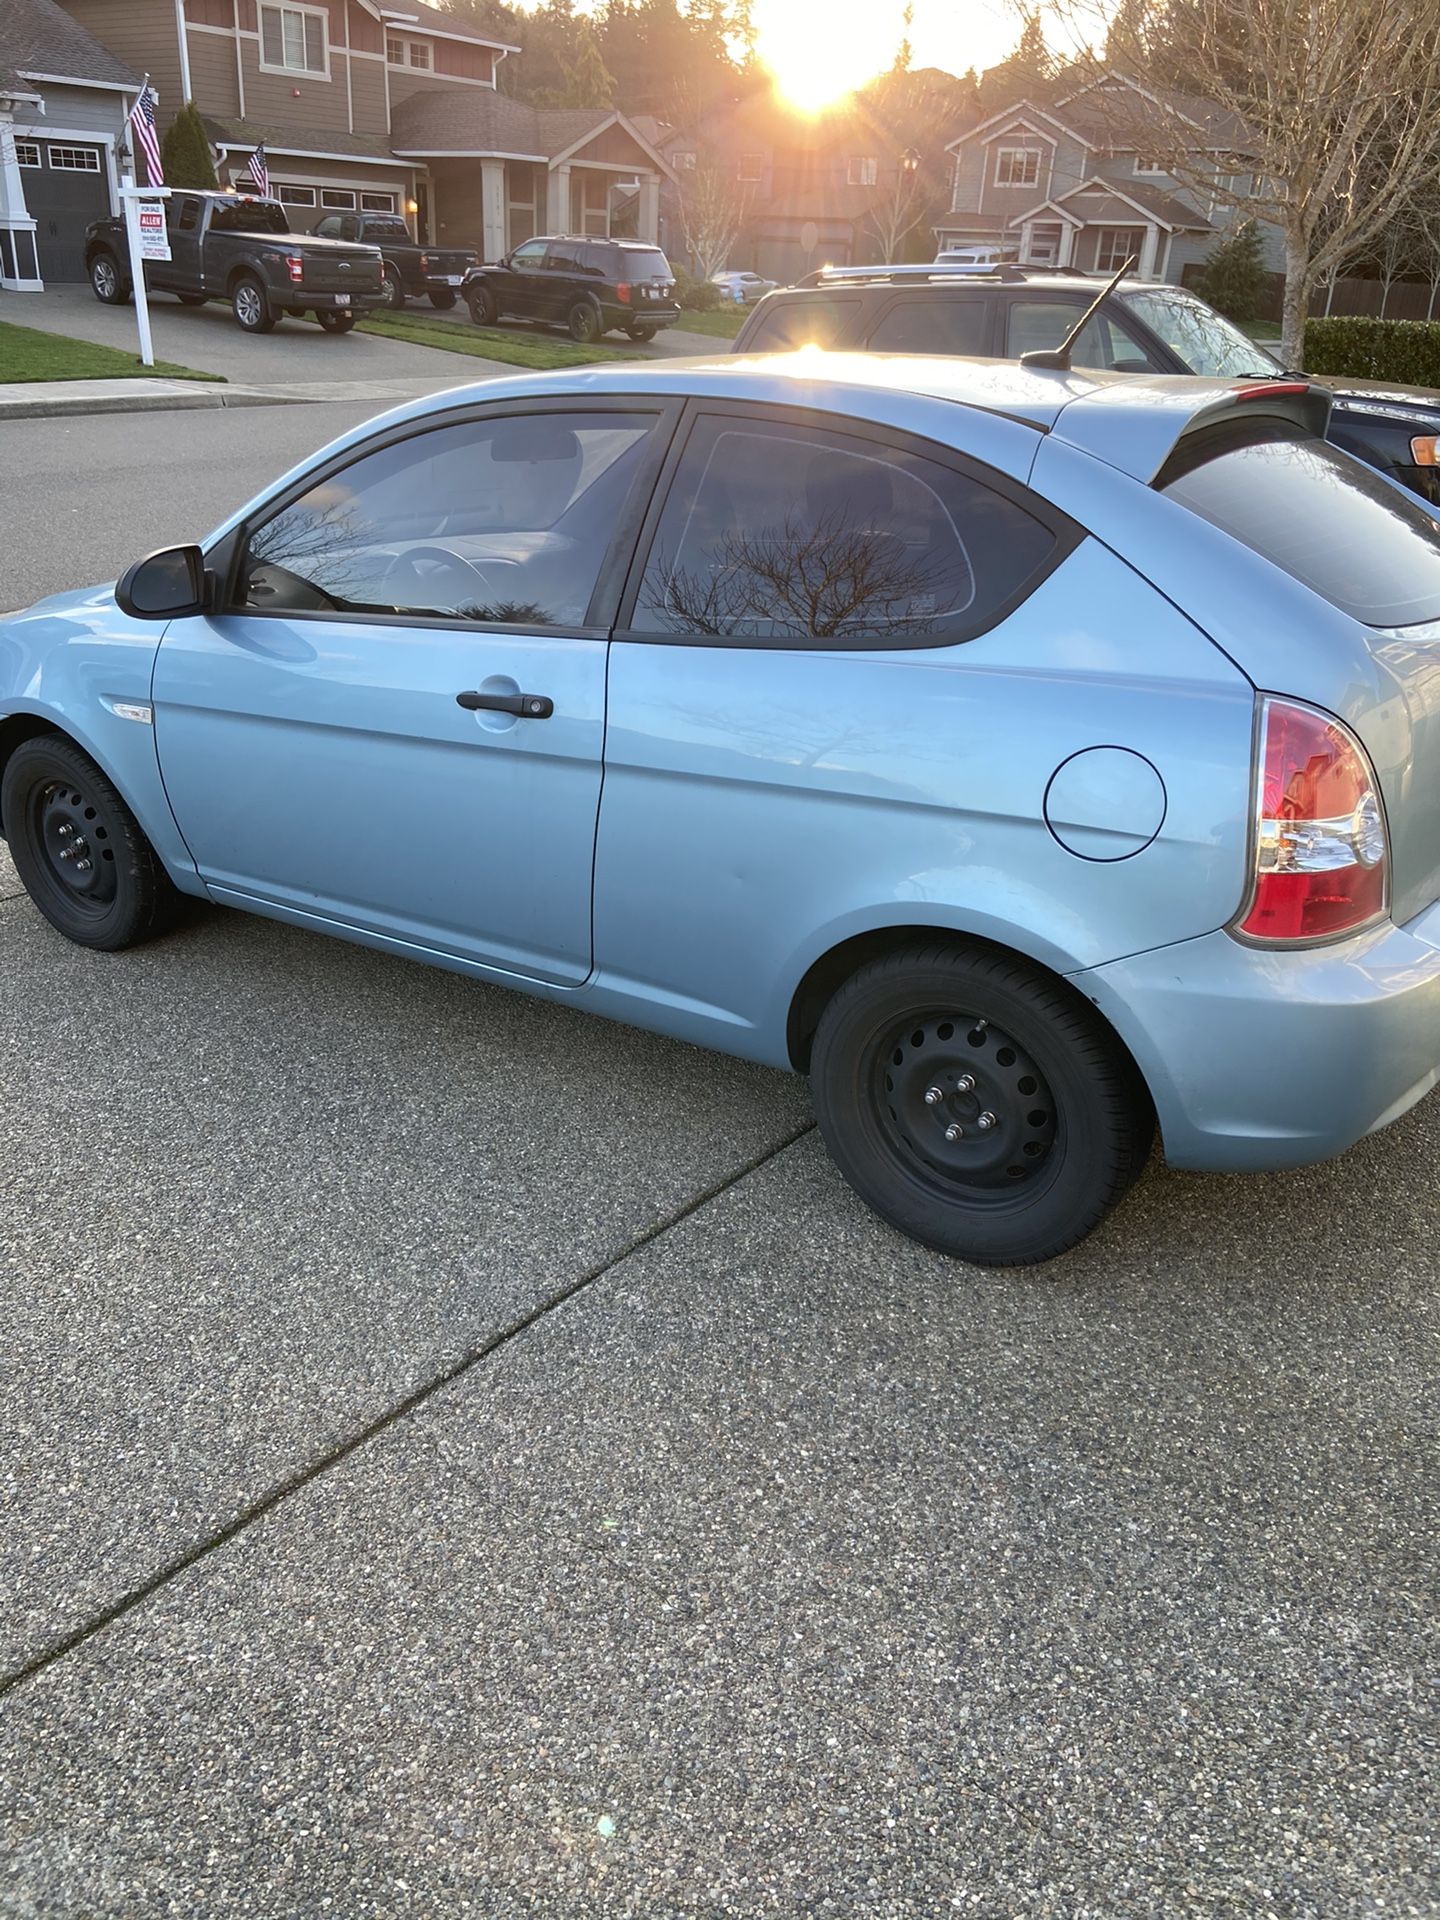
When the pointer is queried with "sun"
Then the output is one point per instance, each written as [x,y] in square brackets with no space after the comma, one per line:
[820,50]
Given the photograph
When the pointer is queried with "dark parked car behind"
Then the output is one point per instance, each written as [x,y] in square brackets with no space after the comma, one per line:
[1141,327]
[407,269]
[589,286]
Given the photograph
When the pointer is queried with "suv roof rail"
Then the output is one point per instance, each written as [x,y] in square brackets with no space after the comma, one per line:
[898,276]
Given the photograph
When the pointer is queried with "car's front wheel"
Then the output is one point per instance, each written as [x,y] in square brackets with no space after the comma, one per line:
[79,850]
[106,281]
[336,322]
[584,322]
[250,304]
[481,302]
[977,1103]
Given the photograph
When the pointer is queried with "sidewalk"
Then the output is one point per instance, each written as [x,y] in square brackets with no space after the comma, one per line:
[46,399]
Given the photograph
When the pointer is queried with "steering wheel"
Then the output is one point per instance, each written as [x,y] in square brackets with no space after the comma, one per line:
[426,569]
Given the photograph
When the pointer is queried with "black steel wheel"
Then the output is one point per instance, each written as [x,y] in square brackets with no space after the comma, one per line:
[640,333]
[336,322]
[442,298]
[584,322]
[977,1103]
[79,850]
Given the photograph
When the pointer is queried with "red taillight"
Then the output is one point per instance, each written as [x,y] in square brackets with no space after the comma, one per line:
[1321,851]
[1271,387]
[622,292]
[424,263]
[296,265]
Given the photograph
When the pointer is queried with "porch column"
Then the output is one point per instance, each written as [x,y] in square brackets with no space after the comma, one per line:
[557,200]
[1147,253]
[650,209]
[492,209]
[19,266]
[1067,244]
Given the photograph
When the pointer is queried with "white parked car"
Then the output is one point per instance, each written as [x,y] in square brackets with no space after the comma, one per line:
[743,287]
[975,259]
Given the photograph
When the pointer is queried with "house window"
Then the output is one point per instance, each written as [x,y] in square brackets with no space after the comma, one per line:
[409,53]
[684,162]
[1115,246]
[338,199]
[1144,167]
[293,40]
[295,196]
[27,153]
[378,202]
[1044,247]
[862,170]
[1017,167]
[752,166]
[75,159]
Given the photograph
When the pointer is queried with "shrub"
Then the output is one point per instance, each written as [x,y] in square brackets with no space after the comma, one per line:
[700,296]
[1234,278]
[185,151]
[1406,351]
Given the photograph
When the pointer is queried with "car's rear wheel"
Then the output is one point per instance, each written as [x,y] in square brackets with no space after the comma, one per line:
[79,850]
[250,304]
[977,1103]
[584,322]
[443,298]
[392,292]
[107,282]
[336,322]
[481,302]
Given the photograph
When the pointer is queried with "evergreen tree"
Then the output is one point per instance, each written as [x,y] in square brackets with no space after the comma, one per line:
[1125,47]
[1025,74]
[588,81]
[1234,278]
[185,151]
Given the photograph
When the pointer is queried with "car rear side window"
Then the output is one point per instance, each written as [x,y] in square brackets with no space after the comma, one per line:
[782,534]
[1333,523]
[1037,324]
[934,326]
[644,263]
[802,323]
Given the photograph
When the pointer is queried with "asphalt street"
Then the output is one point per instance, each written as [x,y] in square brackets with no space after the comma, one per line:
[462,1457]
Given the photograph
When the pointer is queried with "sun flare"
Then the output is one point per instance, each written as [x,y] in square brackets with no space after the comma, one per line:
[820,50]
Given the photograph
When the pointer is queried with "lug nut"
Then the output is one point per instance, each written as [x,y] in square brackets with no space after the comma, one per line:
[65,831]
[985,1122]
[954,1131]
[933,1096]
[82,866]
[966,1083]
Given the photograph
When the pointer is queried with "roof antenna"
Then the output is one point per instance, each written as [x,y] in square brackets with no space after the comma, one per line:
[1058,358]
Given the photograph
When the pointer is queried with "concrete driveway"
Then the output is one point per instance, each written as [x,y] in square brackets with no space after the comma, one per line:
[466,1458]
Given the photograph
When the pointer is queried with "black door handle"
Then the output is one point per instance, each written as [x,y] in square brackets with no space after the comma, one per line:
[526,706]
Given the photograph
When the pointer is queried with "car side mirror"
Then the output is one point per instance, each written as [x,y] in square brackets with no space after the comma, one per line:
[168,585]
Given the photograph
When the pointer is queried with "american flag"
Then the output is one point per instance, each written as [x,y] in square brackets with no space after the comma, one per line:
[258,172]
[142,119]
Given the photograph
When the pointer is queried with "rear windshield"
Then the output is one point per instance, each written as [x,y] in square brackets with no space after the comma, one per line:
[248,216]
[1366,546]
[801,323]
[644,263]
[388,226]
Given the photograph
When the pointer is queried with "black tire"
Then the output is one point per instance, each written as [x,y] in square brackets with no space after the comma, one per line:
[250,304]
[481,302]
[336,322]
[1013,1169]
[191,299]
[54,800]
[584,322]
[443,298]
[392,290]
[108,282]
[640,333]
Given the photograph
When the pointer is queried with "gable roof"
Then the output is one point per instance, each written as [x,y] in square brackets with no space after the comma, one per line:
[38,39]
[1016,110]
[1086,109]
[478,121]
[1163,208]
[418,17]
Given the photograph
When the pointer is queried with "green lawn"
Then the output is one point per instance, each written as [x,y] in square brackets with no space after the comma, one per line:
[721,324]
[487,343]
[28,354]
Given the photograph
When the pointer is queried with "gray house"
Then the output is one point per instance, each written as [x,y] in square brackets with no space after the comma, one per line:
[1071,184]
[64,100]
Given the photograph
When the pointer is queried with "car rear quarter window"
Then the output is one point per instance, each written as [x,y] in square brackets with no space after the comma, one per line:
[960,325]
[783,534]
[1039,325]
[383,228]
[1363,544]
[821,322]
[644,263]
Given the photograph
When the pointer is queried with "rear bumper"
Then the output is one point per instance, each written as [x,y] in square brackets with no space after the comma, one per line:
[1258,1059]
[642,316]
[355,301]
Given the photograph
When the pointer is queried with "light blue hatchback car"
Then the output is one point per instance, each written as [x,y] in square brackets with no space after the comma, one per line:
[1026,756]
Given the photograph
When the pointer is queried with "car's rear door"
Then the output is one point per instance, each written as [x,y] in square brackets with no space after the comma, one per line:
[935,320]
[394,727]
[183,226]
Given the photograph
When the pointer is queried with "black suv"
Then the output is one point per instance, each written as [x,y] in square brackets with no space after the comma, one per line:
[588,286]
[1142,327]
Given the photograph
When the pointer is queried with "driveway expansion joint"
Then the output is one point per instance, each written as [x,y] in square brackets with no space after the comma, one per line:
[373,1429]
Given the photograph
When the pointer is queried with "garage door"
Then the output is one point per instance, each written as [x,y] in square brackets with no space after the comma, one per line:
[66,187]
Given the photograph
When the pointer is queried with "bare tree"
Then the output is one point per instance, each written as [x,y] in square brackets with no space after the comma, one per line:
[899,205]
[713,204]
[1295,98]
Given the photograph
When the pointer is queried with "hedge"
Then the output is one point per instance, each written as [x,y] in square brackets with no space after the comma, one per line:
[700,296]
[1355,345]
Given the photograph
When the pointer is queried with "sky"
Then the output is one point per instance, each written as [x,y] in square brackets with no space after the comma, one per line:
[819,48]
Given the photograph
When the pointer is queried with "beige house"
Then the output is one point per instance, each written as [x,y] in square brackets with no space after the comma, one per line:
[365,106]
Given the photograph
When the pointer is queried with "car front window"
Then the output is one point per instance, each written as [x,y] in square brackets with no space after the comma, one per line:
[1207,342]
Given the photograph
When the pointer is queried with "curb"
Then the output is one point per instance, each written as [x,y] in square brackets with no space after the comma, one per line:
[206,396]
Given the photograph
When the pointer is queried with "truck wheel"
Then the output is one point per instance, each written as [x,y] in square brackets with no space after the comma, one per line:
[584,322]
[481,302]
[640,333]
[443,298]
[392,293]
[250,304]
[191,299]
[106,281]
[336,322]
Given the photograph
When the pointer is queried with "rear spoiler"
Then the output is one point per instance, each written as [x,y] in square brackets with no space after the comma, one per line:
[1136,425]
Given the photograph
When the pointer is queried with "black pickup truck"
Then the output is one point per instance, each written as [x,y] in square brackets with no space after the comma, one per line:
[407,268]
[226,246]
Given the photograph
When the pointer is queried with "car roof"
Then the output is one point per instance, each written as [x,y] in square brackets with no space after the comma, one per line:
[1131,421]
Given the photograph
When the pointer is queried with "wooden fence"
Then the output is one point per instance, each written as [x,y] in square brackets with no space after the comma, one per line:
[1406,300]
